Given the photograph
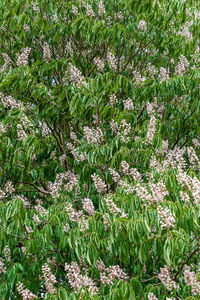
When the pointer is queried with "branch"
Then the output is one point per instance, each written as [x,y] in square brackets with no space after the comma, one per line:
[142,50]
[179,138]
[41,190]
[62,149]
[185,263]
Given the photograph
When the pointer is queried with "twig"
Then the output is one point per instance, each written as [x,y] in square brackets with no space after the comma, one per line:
[185,263]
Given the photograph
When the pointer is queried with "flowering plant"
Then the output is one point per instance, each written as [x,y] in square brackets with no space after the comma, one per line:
[100,149]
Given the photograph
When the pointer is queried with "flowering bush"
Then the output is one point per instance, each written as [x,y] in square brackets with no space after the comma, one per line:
[100,149]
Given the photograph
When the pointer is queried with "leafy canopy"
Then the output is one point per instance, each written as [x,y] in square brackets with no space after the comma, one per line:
[99,152]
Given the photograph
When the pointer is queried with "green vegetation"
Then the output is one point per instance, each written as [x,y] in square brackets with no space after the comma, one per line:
[100,149]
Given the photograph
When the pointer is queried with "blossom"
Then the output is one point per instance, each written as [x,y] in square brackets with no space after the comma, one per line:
[101,8]
[22,59]
[100,185]
[46,52]
[112,207]
[191,279]
[108,275]
[151,296]
[35,7]
[25,293]
[75,75]
[142,25]
[164,74]
[128,104]
[77,280]
[99,63]
[166,218]
[88,206]
[151,130]
[49,278]
[2,268]
[165,278]
[112,60]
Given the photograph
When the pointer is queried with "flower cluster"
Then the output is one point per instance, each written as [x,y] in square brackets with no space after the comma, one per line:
[88,206]
[2,268]
[69,48]
[99,63]
[142,25]
[2,194]
[49,279]
[151,130]
[21,134]
[77,216]
[25,293]
[182,65]
[106,221]
[22,59]
[128,104]
[166,218]
[79,281]
[108,275]
[159,191]
[112,207]
[7,190]
[193,184]
[112,60]
[76,155]
[165,278]
[192,156]
[138,77]
[75,75]
[175,158]
[164,74]
[151,69]
[89,10]
[124,167]
[2,129]
[133,172]
[124,131]
[7,253]
[93,136]
[143,193]
[26,122]
[74,137]
[114,126]
[185,196]
[185,32]
[100,185]
[74,10]
[7,61]
[9,101]
[35,7]
[54,188]
[46,52]
[196,142]
[45,130]
[191,279]
[101,8]
[113,99]
[26,27]
[115,174]
[41,211]
[151,296]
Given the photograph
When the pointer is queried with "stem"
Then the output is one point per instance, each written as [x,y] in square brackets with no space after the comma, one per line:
[185,262]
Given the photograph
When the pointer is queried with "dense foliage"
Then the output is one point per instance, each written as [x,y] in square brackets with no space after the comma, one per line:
[100,147]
